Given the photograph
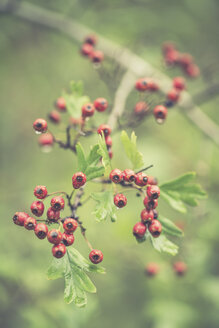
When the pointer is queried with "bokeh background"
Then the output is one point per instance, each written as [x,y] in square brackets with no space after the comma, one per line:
[36,65]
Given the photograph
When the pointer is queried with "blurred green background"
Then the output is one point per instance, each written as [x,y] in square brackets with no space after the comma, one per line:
[36,65]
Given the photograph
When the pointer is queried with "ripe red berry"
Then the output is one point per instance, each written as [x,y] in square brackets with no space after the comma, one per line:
[173,95]
[61,104]
[106,129]
[155,214]
[142,84]
[46,140]
[53,215]
[147,215]
[155,228]
[54,116]
[68,238]
[40,125]
[141,179]
[192,70]
[40,192]
[116,176]
[58,251]
[108,141]
[150,203]
[120,200]
[180,268]
[70,225]
[37,208]
[153,192]
[168,46]
[129,175]
[97,56]
[179,83]
[152,180]
[141,108]
[57,203]
[78,180]
[87,49]
[139,230]
[30,223]
[96,256]
[152,86]
[54,236]
[76,121]
[160,113]
[185,60]
[172,57]
[87,110]
[110,153]
[19,218]
[100,104]
[41,230]
[91,39]
[151,269]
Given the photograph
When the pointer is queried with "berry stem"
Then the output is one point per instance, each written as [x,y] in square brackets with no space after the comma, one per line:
[146,168]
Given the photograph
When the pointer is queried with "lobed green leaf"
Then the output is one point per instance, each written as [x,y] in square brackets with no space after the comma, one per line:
[170,228]
[162,244]
[105,207]
[131,150]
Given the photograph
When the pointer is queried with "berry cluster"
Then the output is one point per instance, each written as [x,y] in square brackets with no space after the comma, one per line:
[88,110]
[88,49]
[152,269]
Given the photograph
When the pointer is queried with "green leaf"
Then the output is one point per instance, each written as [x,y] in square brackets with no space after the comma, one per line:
[73,267]
[131,149]
[170,228]
[162,244]
[105,207]
[77,88]
[181,191]
[82,164]
[102,151]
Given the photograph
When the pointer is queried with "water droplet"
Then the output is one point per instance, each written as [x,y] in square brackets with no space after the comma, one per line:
[160,120]
[46,149]
[38,132]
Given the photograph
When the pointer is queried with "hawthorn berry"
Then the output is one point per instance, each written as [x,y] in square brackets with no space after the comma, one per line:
[173,95]
[96,256]
[141,108]
[141,179]
[76,121]
[192,70]
[37,208]
[172,57]
[54,236]
[147,215]
[151,269]
[54,116]
[61,104]
[53,215]
[141,84]
[168,46]
[40,192]
[155,214]
[59,250]
[152,180]
[153,192]
[185,60]
[108,141]
[78,180]
[57,203]
[40,125]
[46,140]
[70,225]
[106,129]
[160,113]
[30,223]
[91,39]
[97,56]
[179,83]
[100,104]
[152,86]
[139,230]
[87,110]
[20,217]
[110,153]
[149,203]
[41,230]
[129,175]
[155,228]
[87,49]
[68,238]
[116,176]
[120,200]
[180,268]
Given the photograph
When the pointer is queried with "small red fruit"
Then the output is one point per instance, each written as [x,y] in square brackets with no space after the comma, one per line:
[108,141]
[173,95]
[61,104]
[106,129]
[129,175]
[179,83]
[57,203]
[96,256]
[142,84]
[155,214]
[100,104]
[70,225]
[53,215]
[172,57]
[68,238]
[91,39]
[40,125]
[120,200]
[141,179]
[46,140]
[87,49]
[37,208]
[150,203]
[160,113]
[54,236]
[180,268]
[116,176]
[59,250]
[147,215]
[40,192]
[20,217]
[139,230]
[152,86]
[151,269]
[78,180]
[30,223]
[141,108]
[110,153]
[185,60]
[192,70]
[155,228]
[153,192]
[152,180]
[41,230]
[97,56]
[54,116]
[87,110]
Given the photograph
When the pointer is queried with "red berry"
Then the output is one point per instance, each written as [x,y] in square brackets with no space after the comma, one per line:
[100,104]
[53,215]
[168,46]
[78,180]
[141,179]
[61,104]
[153,192]
[116,176]
[57,203]
[76,121]
[87,110]
[142,84]
[179,83]
[160,113]
[120,200]
[110,153]
[129,175]
[172,57]
[106,129]
[185,60]
[173,95]
[96,256]
[58,251]
[152,180]
[152,86]
[54,236]
[192,70]
[46,140]
[40,125]
[40,192]
[139,230]
[68,238]
[108,141]
[150,203]
[97,56]
[151,269]
[87,49]
[155,214]
[146,215]
[20,217]
[30,223]
[180,268]
[41,230]
[70,225]
[91,39]
[37,208]
[141,108]
[155,228]
[54,116]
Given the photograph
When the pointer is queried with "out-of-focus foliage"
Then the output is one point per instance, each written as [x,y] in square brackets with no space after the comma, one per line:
[36,64]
